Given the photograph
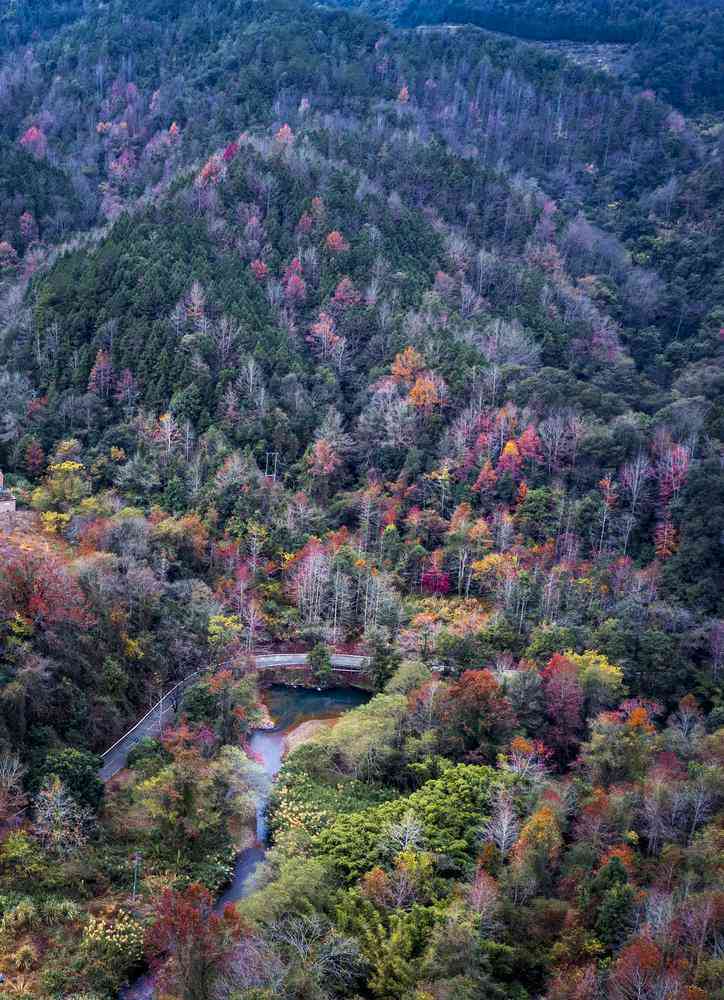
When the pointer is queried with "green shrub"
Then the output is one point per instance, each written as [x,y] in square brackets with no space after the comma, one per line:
[119,937]
[309,795]
[409,675]
[22,986]
[22,861]
[450,810]
[25,958]
[112,947]
[60,911]
[24,916]
[8,901]
[148,757]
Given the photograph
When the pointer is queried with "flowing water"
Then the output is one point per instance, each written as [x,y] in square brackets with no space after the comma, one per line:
[289,708]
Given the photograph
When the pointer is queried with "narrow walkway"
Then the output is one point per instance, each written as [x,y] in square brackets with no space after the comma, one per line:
[151,724]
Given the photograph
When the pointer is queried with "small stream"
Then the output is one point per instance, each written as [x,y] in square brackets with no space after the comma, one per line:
[289,708]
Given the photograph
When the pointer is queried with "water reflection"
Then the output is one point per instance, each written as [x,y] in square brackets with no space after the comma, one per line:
[289,708]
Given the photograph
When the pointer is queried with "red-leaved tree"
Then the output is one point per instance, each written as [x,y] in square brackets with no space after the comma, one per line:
[37,586]
[564,705]
[197,943]
[476,716]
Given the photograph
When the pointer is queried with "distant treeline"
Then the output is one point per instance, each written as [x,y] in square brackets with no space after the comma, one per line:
[679,47]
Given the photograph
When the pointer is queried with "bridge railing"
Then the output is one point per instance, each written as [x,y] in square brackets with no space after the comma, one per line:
[158,707]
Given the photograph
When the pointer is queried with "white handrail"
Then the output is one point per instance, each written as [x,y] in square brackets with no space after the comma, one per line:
[261,666]
[148,713]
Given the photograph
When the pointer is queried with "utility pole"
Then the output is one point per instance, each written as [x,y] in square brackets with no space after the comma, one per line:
[157,683]
[136,866]
[272,458]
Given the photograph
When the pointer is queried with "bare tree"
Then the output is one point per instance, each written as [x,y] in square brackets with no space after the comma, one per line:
[405,835]
[225,334]
[483,897]
[319,960]
[502,827]
[635,476]
[61,825]
[12,798]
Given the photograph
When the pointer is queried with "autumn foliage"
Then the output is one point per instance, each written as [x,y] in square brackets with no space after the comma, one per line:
[197,942]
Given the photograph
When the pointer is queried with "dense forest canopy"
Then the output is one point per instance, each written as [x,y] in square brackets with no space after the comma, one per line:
[320,332]
[677,47]
[24,20]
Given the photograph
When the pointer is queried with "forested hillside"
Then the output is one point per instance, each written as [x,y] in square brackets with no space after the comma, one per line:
[677,47]
[318,333]
[29,20]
